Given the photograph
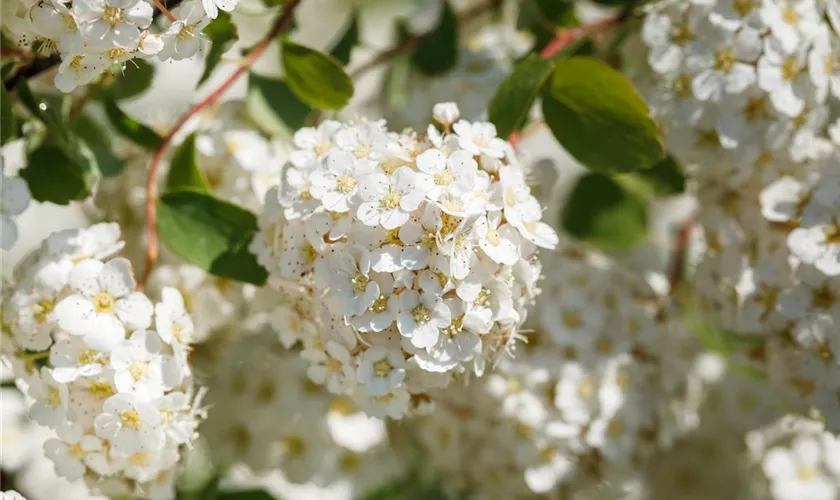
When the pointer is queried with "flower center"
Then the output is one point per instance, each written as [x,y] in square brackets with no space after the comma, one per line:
[295,446]
[682,34]
[43,310]
[112,15]
[724,59]
[682,86]
[615,428]
[382,368]
[86,357]
[304,193]
[69,23]
[140,459]
[130,419]
[572,319]
[380,305]
[756,109]
[322,148]
[138,370]
[362,150]
[346,183]
[456,327]
[76,62]
[309,253]
[360,283]
[75,450]
[47,47]
[104,302]
[805,473]
[586,389]
[116,53]
[791,69]
[483,298]
[743,7]
[444,178]
[832,234]
[790,16]
[421,314]
[101,390]
[391,200]
[53,397]
[186,32]
[333,365]
[823,297]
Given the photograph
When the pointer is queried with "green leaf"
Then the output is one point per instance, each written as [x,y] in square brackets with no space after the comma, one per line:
[542,17]
[344,47]
[316,78]
[130,128]
[136,77]
[184,172]
[244,495]
[98,140]
[514,98]
[437,52]
[665,177]
[223,33]
[273,107]
[52,175]
[599,118]
[8,127]
[51,109]
[210,233]
[605,212]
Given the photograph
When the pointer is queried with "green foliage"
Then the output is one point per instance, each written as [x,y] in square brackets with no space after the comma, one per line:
[130,128]
[183,171]
[210,233]
[606,211]
[52,175]
[437,52]
[244,495]
[316,78]
[344,47]
[222,32]
[665,177]
[540,16]
[8,121]
[134,79]
[51,110]
[273,107]
[98,141]
[599,118]
[514,98]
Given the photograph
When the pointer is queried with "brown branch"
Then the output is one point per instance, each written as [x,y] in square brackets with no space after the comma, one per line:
[679,252]
[151,181]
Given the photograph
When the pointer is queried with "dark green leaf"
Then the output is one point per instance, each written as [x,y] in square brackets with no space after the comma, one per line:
[437,52]
[8,127]
[344,47]
[514,98]
[244,495]
[316,78]
[130,128]
[605,212]
[52,175]
[98,141]
[543,17]
[599,118]
[273,3]
[223,33]
[51,109]
[184,172]
[210,233]
[665,177]
[273,107]
[134,79]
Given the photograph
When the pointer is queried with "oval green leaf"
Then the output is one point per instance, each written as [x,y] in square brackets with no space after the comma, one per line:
[273,107]
[183,171]
[222,32]
[514,98]
[130,128]
[52,175]
[599,118]
[316,78]
[437,51]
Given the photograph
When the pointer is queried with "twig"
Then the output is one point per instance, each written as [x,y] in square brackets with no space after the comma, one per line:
[566,36]
[409,44]
[151,181]
[678,251]
[13,51]
[164,10]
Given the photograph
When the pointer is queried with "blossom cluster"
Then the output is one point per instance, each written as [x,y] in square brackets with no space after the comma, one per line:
[101,364]
[14,198]
[92,35]
[417,252]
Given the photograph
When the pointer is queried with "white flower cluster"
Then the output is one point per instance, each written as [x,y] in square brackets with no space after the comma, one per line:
[118,394]
[599,387]
[92,35]
[419,251]
[742,83]
[14,198]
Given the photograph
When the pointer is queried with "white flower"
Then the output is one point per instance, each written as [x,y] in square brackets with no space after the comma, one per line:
[576,394]
[331,367]
[131,425]
[14,198]
[388,201]
[78,69]
[555,467]
[818,246]
[172,321]
[667,32]
[337,184]
[51,399]
[103,303]
[781,73]
[212,7]
[499,241]
[71,358]
[421,318]
[479,138]
[11,495]
[137,365]
[791,20]
[112,24]
[393,404]
[56,28]
[181,40]
[351,278]
[177,416]
[313,143]
[443,172]
[381,370]
[796,473]
[721,62]
[74,451]
[446,113]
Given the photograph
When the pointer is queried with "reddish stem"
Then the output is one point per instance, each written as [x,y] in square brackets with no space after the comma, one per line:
[151,181]
[565,37]
[678,252]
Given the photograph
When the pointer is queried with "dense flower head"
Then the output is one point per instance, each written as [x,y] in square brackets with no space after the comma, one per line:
[103,366]
[419,253]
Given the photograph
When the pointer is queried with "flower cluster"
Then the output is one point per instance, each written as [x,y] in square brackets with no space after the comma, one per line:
[117,392]
[92,35]
[744,83]
[418,253]
[14,198]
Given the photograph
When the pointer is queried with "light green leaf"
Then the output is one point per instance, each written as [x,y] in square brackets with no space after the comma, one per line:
[344,47]
[599,118]
[98,140]
[514,98]
[273,107]
[184,172]
[665,177]
[130,128]
[210,233]
[8,127]
[222,32]
[316,78]
[437,52]
[134,79]
[605,212]
[54,176]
